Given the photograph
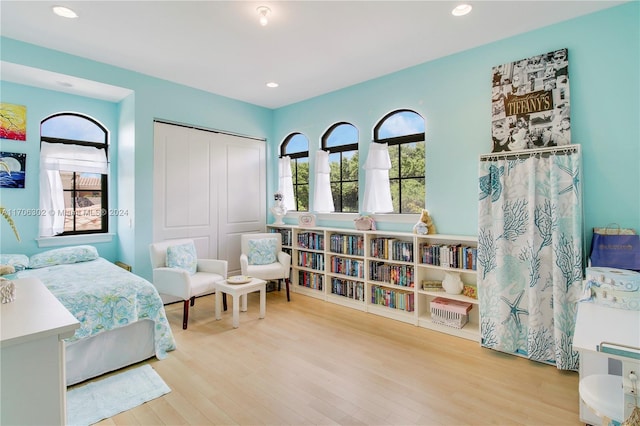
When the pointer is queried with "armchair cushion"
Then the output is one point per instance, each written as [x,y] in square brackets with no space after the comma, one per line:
[183,256]
[262,251]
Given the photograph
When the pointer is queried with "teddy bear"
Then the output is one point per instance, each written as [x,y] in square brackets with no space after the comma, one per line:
[425,225]
[7,269]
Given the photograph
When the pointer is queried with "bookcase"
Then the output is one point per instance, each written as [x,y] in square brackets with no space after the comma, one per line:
[437,255]
[381,272]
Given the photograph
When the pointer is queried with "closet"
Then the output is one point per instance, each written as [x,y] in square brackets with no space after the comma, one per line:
[209,186]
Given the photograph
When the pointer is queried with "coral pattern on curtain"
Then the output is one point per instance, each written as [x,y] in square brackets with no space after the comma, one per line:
[530,254]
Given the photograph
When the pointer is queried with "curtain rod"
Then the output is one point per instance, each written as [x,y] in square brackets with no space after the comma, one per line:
[514,155]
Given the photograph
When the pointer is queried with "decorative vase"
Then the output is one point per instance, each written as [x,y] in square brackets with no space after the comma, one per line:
[452,283]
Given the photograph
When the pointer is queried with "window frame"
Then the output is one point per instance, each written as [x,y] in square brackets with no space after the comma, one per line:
[295,157]
[104,181]
[338,199]
[398,141]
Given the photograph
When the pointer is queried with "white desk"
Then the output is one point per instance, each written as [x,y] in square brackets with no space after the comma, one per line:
[596,324]
[32,383]
[239,291]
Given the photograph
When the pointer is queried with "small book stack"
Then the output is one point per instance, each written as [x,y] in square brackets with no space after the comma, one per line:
[432,285]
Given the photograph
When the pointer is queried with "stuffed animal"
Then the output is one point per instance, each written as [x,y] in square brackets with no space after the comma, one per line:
[425,225]
[7,269]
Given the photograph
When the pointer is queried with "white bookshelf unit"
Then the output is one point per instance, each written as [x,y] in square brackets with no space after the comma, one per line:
[381,272]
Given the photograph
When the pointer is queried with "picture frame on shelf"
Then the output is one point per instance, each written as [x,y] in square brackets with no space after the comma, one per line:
[307,220]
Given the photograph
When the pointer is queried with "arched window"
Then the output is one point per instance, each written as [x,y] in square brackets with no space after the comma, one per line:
[341,141]
[74,175]
[404,132]
[296,147]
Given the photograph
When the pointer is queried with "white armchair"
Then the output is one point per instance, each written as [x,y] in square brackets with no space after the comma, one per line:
[263,258]
[194,278]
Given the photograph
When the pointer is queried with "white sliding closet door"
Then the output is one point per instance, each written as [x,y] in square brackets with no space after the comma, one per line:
[242,197]
[210,187]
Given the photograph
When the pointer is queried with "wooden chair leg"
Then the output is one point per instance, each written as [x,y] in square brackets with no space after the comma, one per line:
[185,314]
[193,300]
[224,301]
[286,281]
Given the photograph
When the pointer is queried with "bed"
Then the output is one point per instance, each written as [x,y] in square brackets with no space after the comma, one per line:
[122,318]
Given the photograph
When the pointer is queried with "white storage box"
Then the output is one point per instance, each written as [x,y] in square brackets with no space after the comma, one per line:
[616,288]
[451,313]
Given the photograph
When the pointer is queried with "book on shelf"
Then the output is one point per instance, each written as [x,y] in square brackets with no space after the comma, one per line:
[401,275]
[347,244]
[310,280]
[432,285]
[455,256]
[391,298]
[311,240]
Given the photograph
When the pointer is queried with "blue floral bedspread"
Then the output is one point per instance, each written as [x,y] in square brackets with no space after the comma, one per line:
[103,296]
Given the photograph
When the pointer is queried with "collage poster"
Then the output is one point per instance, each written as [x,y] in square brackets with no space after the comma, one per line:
[530,103]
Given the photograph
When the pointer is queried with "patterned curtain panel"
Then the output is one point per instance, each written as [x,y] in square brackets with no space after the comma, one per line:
[530,254]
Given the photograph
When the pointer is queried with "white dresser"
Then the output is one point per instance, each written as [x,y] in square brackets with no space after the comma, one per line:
[597,325]
[32,367]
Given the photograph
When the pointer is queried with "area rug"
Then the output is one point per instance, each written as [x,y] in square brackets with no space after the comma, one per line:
[101,399]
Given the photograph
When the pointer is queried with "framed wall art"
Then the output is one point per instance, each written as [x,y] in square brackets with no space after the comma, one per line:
[530,103]
[12,169]
[13,121]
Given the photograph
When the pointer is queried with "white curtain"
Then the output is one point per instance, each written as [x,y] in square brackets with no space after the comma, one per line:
[51,202]
[530,255]
[55,157]
[322,197]
[76,158]
[377,189]
[285,184]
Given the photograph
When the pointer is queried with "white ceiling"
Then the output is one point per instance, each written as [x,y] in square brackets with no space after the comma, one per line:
[308,47]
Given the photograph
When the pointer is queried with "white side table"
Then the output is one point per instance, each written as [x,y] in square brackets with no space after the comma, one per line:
[239,291]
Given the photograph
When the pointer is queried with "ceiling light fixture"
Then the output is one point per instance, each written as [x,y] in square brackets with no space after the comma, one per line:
[263,12]
[65,12]
[272,84]
[461,10]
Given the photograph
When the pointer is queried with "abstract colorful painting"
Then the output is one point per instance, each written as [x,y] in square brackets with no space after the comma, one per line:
[12,169]
[13,122]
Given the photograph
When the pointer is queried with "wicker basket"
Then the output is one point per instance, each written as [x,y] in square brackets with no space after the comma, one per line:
[451,313]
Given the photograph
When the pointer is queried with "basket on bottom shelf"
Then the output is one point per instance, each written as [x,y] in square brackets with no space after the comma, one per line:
[451,313]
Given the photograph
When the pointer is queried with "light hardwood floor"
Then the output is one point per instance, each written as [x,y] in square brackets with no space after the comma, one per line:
[314,362]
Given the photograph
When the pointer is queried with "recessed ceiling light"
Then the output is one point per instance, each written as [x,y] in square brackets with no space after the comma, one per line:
[263,13]
[461,10]
[272,84]
[65,12]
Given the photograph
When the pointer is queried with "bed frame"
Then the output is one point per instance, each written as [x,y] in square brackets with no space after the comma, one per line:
[94,356]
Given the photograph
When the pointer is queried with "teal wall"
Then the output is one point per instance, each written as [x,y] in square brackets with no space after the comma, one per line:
[452,93]
[132,123]
[23,202]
